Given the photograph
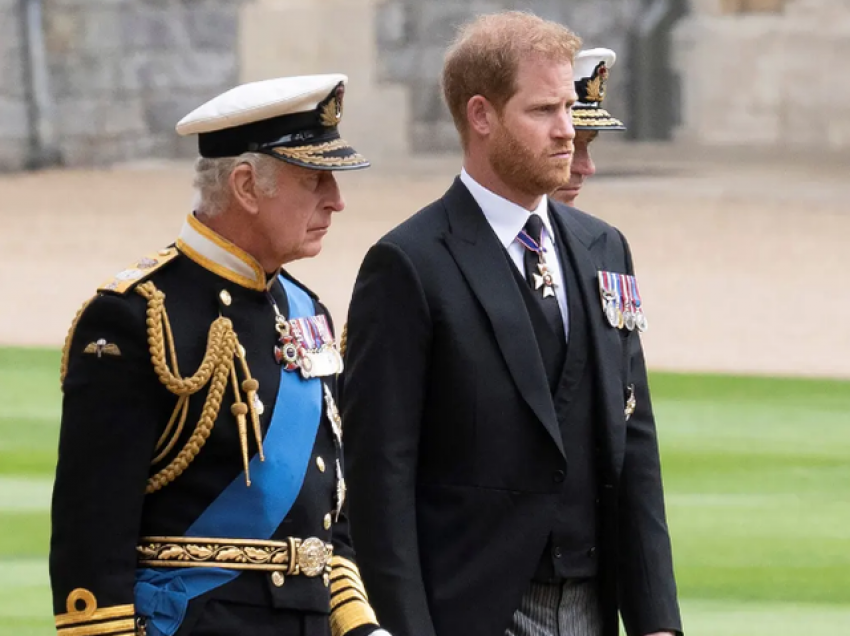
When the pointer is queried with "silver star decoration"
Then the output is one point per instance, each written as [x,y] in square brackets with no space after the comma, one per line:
[544,280]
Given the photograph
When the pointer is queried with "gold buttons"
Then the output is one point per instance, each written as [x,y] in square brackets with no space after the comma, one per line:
[277,579]
[320,463]
[327,521]
[225,297]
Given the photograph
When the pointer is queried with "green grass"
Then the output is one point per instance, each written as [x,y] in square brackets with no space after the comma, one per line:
[29,415]
[757,475]
[30,402]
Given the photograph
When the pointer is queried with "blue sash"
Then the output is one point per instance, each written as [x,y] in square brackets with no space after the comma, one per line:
[243,512]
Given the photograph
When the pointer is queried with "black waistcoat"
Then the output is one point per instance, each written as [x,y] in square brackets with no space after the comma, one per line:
[570,552]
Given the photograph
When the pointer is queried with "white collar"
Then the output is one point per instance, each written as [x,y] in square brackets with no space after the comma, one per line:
[505,217]
[220,256]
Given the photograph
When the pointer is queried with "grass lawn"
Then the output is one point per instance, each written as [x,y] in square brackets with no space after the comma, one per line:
[757,473]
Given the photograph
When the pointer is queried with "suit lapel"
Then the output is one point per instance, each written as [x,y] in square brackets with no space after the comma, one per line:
[585,249]
[482,260]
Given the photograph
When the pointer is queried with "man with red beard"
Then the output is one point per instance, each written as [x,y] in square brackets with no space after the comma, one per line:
[591,71]
[501,452]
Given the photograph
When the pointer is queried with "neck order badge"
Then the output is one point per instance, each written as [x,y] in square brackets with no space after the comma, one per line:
[543,279]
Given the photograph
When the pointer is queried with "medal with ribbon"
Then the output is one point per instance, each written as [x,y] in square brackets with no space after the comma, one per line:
[610,298]
[621,302]
[640,317]
[306,344]
[628,302]
[317,353]
[286,350]
[544,279]
[336,424]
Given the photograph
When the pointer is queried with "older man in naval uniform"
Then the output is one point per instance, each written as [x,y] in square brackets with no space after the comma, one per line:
[200,487]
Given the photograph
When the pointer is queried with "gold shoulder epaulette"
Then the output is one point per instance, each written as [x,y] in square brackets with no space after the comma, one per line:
[128,278]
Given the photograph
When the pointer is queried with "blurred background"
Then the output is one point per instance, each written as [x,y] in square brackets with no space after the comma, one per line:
[731,184]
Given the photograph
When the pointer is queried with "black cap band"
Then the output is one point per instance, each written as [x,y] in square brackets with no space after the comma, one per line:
[287,130]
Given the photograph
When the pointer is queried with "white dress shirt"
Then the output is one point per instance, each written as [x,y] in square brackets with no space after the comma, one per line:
[507,220]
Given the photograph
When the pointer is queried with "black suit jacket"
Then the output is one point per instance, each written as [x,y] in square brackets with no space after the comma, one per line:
[455,459]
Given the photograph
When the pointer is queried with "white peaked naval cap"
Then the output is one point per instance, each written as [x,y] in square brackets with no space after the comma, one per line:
[294,119]
[590,70]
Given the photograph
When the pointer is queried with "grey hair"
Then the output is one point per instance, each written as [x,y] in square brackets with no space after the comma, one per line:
[212,194]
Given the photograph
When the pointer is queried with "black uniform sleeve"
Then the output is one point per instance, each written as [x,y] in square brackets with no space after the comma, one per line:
[351,614]
[387,358]
[109,427]
[648,598]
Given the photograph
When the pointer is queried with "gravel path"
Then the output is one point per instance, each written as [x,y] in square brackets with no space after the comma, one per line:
[739,261]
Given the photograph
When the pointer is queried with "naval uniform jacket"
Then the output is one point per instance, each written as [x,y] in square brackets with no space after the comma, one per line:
[454,455]
[115,411]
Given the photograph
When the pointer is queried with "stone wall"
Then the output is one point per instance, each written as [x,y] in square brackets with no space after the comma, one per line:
[332,36]
[122,73]
[413,35]
[770,78]
[125,71]
[14,138]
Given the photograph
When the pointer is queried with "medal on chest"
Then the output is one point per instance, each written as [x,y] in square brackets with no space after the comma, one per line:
[544,281]
[306,345]
[286,349]
[621,302]
[336,426]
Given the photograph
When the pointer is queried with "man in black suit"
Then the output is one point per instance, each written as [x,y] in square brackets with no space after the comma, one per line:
[501,449]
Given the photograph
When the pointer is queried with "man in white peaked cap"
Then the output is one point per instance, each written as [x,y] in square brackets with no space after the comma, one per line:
[589,118]
[200,487]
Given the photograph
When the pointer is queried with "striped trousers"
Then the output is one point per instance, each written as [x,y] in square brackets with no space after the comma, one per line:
[558,609]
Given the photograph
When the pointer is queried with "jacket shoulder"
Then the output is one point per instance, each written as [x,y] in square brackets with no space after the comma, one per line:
[591,224]
[419,236]
[429,222]
[138,271]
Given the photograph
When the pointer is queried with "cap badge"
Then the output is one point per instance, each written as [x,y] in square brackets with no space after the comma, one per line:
[331,113]
[592,89]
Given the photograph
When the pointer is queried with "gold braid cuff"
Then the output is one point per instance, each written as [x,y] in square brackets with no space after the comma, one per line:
[315,155]
[216,369]
[91,621]
[349,603]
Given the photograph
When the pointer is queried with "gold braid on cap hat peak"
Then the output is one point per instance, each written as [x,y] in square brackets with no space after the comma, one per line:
[217,366]
[314,155]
